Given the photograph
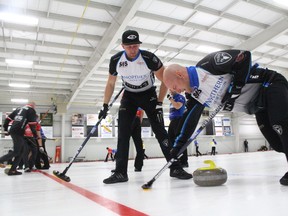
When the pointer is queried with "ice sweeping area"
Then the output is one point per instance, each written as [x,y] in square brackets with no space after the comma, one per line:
[252,188]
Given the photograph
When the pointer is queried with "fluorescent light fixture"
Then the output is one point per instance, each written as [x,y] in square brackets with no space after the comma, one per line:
[207,49]
[282,2]
[19,19]
[18,62]
[15,100]
[19,85]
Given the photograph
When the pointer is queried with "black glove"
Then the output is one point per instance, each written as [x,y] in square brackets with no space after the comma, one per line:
[159,112]
[188,96]
[174,152]
[233,91]
[169,96]
[103,112]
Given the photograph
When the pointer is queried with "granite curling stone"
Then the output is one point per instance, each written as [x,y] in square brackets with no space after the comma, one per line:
[210,176]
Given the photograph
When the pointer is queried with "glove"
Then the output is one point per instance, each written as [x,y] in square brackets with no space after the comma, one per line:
[174,152]
[234,91]
[169,97]
[159,112]
[188,96]
[6,133]
[41,149]
[103,111]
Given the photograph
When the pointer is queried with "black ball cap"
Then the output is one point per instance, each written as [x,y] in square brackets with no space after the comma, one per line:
[130,37]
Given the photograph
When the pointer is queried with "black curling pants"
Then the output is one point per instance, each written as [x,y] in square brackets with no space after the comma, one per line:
[42,156]
[273,120]
[130,102]
[138,142]
[18,150]
[173,132]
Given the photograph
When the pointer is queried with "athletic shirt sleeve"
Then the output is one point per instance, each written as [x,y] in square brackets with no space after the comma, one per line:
[9,119]
[152,61]
[237,62]
[113,63]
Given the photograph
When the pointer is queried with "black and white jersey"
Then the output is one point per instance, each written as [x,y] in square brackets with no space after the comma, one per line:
[235,62]
[137,74]
[21,117]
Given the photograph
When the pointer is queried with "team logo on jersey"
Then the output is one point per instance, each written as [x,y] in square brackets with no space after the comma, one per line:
[123,64]
[278,129]
[196,93]
[222,58]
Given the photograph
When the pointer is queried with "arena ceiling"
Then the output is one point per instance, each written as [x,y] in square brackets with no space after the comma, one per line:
[72,42]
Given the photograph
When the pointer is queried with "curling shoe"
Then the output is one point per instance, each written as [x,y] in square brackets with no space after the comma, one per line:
[115,178]
[138,169]
[180,173]
[284,179]
[12,172]
[27,170]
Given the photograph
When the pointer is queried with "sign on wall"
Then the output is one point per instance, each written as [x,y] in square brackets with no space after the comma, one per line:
[46,119]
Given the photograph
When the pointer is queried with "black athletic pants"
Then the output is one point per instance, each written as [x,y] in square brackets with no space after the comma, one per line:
[43,157]
[273,120]
[138,142]
[18,150]
[30,148]
[107,157]
[130,102]
[173,131]
[213,150]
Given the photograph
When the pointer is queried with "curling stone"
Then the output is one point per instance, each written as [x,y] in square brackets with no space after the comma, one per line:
[210,176]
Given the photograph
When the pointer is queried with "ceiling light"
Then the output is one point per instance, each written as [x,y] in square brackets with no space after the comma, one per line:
[207,49]
[14,100]
[285,3]
[19,85]
[19,19]
[17,62]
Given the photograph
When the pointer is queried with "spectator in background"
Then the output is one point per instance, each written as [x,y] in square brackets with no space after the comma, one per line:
[109,153]
[245,145]
[197,148]
[213,144]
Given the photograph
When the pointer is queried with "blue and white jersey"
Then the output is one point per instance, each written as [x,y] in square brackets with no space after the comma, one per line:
[137,74]
[208,89]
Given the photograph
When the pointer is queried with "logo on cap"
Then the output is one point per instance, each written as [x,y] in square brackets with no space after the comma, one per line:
[132,37]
